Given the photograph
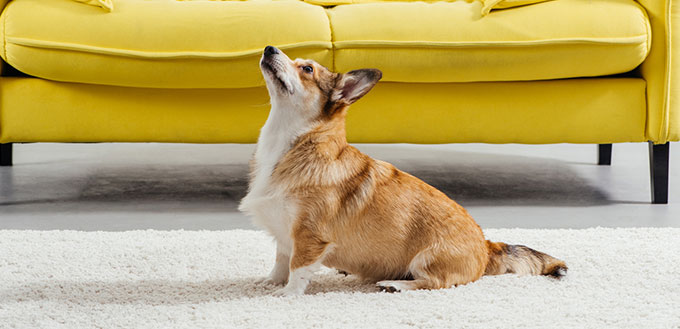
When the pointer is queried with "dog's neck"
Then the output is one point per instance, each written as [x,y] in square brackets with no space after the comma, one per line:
[285,128]
[278,134]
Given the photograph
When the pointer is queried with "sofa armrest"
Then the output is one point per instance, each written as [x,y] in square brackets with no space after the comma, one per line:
[662,72]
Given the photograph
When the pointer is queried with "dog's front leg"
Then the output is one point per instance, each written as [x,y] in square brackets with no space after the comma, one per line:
[308,251]
[279,273]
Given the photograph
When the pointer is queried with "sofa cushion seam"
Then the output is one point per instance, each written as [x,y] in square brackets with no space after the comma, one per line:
[157,54]
[632,40]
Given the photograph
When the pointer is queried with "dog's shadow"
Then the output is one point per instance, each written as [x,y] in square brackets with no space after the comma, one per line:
[169,292]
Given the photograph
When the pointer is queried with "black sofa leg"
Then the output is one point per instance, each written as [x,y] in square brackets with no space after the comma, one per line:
[604,154]
[6,154]
[658,168]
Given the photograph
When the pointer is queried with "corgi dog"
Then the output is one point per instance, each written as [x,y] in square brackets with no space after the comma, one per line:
[326,203]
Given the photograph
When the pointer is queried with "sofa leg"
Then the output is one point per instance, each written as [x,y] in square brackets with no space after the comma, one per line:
[6,154]
[658,167]
[604,154]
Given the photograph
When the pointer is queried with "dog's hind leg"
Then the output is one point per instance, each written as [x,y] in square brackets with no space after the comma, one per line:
[433,269]
[403,285]
[418,283]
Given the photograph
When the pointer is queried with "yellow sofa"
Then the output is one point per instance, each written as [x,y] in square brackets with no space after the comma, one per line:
[561,71]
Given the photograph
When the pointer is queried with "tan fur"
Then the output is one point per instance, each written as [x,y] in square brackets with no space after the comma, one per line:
[378,217]
[370,219]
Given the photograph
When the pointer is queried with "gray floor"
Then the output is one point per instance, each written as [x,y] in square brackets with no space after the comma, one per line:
[116,187]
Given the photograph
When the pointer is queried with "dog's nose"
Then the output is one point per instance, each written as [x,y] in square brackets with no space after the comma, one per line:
[269,50]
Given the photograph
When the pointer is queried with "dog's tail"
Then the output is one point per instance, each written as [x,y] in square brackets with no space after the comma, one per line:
[522,260]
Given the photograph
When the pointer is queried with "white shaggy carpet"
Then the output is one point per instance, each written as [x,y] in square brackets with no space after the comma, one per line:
[618,278]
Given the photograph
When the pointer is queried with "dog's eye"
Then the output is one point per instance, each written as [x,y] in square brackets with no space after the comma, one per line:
[307,69]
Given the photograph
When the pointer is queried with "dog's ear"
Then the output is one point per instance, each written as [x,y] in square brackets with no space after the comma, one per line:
[355,84]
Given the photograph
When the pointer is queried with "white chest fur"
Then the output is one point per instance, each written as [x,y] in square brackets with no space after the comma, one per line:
[266,203]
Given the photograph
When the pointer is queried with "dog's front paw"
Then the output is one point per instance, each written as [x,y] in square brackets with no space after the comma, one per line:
[271,281]
[287,291]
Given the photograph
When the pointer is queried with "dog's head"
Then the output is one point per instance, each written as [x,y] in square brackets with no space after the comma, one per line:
[309,88]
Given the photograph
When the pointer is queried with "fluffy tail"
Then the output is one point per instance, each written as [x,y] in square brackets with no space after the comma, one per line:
[522,260]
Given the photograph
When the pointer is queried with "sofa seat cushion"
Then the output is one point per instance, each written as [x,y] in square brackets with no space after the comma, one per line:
[597,110]
[163,44]
[446,42]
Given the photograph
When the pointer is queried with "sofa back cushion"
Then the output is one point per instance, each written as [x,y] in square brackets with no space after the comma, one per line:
[218,44]
[159,43]
[487,5]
